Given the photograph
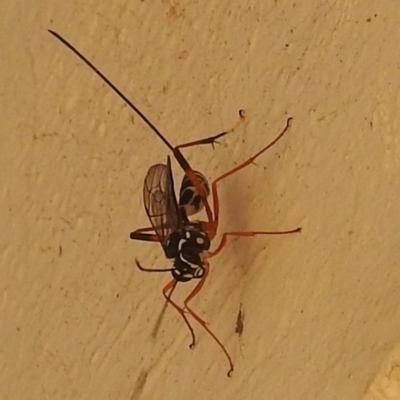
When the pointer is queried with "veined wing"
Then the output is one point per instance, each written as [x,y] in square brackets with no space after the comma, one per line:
[160,201]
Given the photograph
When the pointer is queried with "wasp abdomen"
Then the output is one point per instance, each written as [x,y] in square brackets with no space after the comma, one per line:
[189,198]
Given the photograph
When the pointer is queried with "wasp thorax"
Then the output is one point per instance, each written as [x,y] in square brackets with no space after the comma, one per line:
[196,237]
[189,198]
[193,245]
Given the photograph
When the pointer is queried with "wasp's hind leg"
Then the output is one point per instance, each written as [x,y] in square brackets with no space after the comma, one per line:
[241,166]
[144,237]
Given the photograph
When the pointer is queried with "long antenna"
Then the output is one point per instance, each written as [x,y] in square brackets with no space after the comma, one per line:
[113,87]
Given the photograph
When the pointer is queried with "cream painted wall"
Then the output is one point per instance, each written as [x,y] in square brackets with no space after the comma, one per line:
[322,316]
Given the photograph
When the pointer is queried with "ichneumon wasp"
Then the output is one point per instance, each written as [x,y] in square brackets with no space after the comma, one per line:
[185,242]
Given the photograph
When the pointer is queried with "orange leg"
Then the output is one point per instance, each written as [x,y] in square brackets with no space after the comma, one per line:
[148,229]
[240,167]
[146,237]
[195,291]
[248,234]
[169,288]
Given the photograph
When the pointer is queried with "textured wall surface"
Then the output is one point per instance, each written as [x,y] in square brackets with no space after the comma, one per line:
[321,308]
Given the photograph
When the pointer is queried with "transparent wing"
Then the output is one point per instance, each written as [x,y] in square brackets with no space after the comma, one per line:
[160,201]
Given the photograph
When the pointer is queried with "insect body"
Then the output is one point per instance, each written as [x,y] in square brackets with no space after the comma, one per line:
[185,242]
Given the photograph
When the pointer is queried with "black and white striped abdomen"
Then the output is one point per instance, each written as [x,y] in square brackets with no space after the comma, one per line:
[189,198]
